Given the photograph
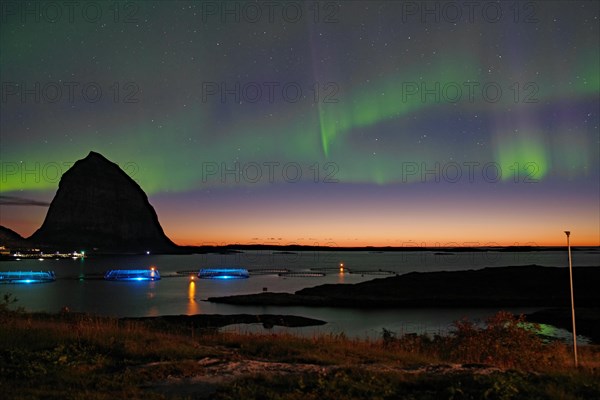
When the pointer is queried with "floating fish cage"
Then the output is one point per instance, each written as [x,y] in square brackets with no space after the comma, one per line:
[331,270]
[303,274]
[268,271]
[223,273]
[132,275]
[27,276]
[188,272]
[369,272]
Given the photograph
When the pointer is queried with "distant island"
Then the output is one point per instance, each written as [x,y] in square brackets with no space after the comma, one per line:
[514,286]
[497,287]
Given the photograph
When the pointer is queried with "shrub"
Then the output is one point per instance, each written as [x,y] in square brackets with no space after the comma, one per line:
[505,340]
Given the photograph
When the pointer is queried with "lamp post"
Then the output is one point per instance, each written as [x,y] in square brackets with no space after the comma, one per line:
[568,233]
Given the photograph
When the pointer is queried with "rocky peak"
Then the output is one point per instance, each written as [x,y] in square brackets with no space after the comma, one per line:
[98,205]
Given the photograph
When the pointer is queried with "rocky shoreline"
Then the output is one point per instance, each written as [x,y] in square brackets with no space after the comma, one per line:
[587,320]
[213,321]
[515,286]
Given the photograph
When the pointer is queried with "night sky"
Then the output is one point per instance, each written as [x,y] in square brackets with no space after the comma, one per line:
[352,123]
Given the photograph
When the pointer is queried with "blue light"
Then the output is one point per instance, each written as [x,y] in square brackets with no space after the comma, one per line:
[223,273]
[151,274]
[27,276]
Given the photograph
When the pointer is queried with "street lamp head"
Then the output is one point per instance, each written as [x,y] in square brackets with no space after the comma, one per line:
[567,233]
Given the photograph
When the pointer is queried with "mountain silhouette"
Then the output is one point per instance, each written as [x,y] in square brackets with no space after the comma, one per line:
[99,207]
[12,239]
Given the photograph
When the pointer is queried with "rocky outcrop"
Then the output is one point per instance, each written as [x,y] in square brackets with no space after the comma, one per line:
[99,207]
[11,239]
[517,286]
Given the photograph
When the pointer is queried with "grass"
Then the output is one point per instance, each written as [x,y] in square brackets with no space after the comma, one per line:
[78,356]
[356,384]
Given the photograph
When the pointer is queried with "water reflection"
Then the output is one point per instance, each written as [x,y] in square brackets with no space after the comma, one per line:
[341,273]
[192,305]
[150,294]
[168,297]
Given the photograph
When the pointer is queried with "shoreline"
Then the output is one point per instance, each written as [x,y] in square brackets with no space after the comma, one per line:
[215,321]
[293,249]
[496,287]
[81,356]
[512,286]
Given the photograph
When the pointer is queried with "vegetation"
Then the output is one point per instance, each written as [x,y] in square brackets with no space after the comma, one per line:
[505,341]
[77,356]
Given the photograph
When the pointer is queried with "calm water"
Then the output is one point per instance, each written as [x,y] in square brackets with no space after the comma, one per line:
[79,285]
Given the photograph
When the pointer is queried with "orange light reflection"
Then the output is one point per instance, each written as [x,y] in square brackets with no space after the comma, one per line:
[192,304]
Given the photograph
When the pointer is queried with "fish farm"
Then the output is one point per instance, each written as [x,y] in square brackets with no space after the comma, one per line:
[223,273]
[151,274]
[27,276]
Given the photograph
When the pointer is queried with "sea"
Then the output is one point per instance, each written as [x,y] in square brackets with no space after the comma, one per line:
[81,288]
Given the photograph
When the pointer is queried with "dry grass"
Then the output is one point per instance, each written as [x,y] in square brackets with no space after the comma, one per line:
[81,356]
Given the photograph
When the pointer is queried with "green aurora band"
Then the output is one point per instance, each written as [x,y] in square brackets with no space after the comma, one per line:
[319,135]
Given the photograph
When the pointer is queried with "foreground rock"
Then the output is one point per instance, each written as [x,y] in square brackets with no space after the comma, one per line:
[98,206]
[215,372]
[520,286]
[217,320]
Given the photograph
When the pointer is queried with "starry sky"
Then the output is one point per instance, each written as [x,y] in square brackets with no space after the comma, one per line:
[351,123]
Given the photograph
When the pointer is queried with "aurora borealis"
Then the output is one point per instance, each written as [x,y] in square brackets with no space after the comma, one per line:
[351,123]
